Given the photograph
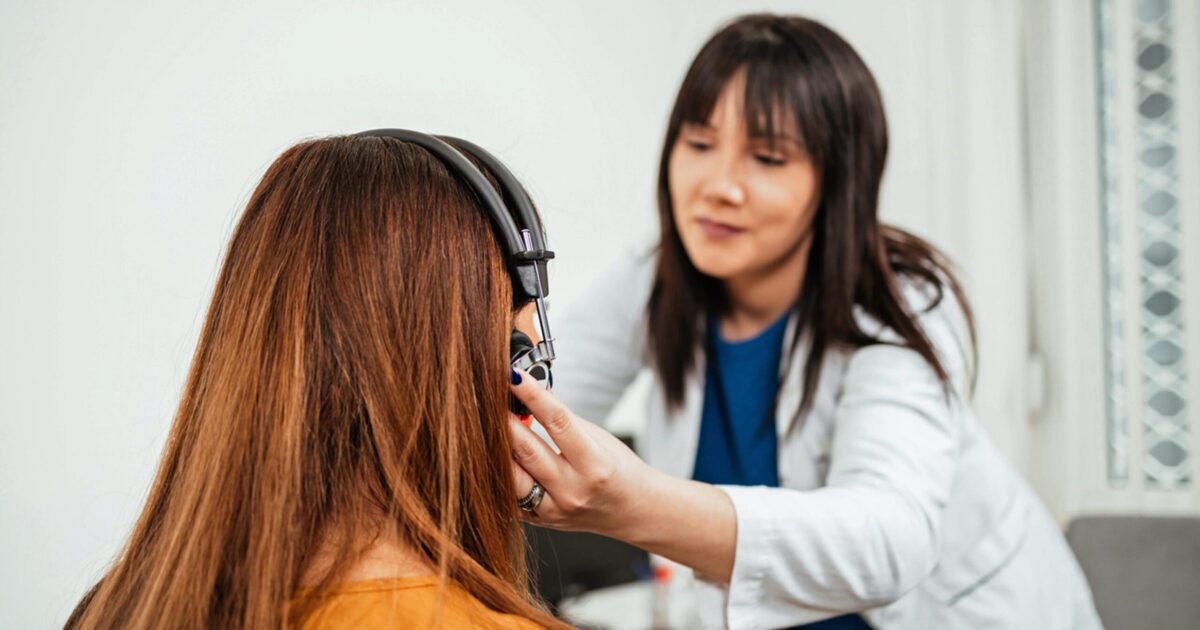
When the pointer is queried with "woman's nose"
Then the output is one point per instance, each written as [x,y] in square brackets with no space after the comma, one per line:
[724,184]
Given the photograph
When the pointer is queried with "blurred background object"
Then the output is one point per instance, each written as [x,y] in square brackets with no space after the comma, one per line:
[1051,147]
[569,564]
[1143,569]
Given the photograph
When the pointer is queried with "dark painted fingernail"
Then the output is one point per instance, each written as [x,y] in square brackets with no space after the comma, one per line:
[516,378]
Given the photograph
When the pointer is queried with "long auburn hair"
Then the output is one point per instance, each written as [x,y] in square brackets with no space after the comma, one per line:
[798,68]
[351,376]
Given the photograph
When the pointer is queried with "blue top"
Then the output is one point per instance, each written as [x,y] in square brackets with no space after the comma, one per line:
[738,444]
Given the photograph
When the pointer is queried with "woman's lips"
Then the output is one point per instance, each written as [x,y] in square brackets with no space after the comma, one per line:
[716,229]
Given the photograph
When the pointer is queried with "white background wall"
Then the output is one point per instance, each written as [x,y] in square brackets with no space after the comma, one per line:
[132,132]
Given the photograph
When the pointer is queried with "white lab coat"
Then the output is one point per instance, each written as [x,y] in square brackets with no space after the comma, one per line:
[892,500]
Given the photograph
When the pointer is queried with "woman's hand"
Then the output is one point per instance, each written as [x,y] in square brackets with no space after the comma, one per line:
[595,483]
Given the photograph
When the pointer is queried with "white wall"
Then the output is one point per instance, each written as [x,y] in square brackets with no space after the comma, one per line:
[132,132]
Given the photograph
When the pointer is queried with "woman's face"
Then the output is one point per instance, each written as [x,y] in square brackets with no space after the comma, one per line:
[743,206]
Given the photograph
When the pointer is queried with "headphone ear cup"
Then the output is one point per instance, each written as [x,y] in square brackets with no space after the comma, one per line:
[523,354]
[518,344]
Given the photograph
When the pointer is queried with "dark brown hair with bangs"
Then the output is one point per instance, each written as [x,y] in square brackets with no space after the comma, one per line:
[797,71]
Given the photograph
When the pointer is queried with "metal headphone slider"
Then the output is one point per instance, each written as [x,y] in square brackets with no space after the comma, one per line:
[545,347]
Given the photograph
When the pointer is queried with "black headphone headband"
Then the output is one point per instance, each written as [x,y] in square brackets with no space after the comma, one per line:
[520,232]
[520,235]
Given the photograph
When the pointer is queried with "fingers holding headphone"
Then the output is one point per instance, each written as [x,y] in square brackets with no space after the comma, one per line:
[533,455]
[527,491]
[592,484]
[561,425]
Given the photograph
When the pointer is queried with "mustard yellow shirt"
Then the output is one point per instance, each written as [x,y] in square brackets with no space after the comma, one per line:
[409,602]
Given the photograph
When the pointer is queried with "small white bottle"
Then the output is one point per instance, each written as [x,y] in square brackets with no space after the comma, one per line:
[661,613]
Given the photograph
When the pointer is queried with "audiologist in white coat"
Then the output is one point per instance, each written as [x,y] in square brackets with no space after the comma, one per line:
[811,453]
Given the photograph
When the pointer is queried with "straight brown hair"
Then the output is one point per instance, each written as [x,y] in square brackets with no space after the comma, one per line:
[351,376]
[799,69]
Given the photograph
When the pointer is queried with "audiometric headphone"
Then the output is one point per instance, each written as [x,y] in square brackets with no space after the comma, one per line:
[521,239]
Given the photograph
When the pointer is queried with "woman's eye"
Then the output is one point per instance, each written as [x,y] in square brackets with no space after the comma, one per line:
[698,145]
[769,159]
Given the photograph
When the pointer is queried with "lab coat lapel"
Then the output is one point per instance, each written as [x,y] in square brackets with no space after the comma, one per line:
[791,379]
[674,435]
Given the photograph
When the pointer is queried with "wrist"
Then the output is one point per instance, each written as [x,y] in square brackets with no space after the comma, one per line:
[641,517]
[662,516]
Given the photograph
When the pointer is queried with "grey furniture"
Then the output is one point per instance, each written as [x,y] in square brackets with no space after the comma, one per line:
[1144,571]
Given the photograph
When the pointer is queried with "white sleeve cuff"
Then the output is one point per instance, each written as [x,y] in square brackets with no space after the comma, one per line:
[745,603]
[756,539]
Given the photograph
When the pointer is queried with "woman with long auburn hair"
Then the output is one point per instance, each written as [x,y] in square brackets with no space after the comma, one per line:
[341,453]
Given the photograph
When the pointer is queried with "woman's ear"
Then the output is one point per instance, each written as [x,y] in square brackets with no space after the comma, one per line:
[523,320]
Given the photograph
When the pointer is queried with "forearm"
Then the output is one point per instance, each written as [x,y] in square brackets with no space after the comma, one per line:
[686,521]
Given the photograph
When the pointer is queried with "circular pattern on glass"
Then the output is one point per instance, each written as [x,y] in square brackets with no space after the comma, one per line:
[1161,303]
[1153,56]
[1155,105]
